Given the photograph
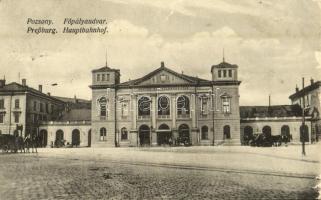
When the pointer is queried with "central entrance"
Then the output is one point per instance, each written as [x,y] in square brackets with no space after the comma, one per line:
[164,135]
[144,135]
[183,134]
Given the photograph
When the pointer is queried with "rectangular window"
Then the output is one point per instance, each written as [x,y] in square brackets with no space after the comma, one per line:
[124,109]
[219,73]
[34,106]
[98,77]
[229,73]
[41,107]
[1,103]
[1,117]
[108,77]
[103,77]
[16,117]
[103,110]
[204,106]
[226,105]
[17,103]
[224,73]
[52,109]
[47,108]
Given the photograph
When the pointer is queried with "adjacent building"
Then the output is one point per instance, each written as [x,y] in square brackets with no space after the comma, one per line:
[309,99]
[22,108]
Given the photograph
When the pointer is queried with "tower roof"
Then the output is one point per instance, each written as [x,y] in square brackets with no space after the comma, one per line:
[224,65]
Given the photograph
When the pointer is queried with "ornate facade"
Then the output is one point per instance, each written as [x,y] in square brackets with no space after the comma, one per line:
[165,107]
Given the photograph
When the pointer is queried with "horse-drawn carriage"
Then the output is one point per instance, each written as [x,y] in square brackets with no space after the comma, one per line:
[14,143]
[267,140]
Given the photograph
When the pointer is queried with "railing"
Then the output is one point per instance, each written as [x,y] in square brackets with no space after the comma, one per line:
[142,117]
[183,116]
[163,116]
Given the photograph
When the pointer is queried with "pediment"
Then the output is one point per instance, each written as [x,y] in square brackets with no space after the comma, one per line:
[163,76]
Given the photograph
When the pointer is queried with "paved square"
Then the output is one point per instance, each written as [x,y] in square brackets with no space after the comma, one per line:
[160,173]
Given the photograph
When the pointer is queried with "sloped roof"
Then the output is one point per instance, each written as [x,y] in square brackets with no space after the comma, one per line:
[16,87]
[189,79]
[105,69]
[270,111]
[224,65]
[305,90]
[76,115]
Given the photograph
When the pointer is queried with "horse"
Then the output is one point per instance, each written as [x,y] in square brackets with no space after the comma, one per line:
[30,143]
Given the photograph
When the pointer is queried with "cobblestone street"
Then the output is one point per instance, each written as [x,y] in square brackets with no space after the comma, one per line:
[77,176]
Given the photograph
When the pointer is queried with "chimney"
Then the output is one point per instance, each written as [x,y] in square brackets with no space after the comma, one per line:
[162,64]
[75,99]
[40,88]
[311,81]
[296,88]
[24,82]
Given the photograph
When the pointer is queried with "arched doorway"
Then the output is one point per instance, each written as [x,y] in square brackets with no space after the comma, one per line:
[266,130]
[89,138]
[227,132]
[285,133]
[144,135]
[247,134]
[304,133]
[59,141]
[43,137]
[164,135]
[183,134]
[75,138]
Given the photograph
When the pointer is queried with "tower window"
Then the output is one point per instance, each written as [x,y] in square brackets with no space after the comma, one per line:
[17,103]
[108,77]
[103,104]
[1,117]
[1,103]
[103,77]
[229,73]
[224,73]
[98,77]
[219,73]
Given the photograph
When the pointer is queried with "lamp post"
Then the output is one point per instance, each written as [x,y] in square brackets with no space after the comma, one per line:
[302,130]
[213,113]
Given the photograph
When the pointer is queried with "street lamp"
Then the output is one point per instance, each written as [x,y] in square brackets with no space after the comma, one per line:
[213,113]
[302,130]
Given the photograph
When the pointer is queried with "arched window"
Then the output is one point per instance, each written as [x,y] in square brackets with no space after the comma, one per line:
[163,105]
[204,133]
[144,104]
[103,134]
[266,130]
[124,134]
[75,137]
[285,133]
[59,135]
[103,106]
[227,132]
[183,107]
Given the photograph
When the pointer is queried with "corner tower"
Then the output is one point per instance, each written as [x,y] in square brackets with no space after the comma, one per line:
[225,89]
[104,91]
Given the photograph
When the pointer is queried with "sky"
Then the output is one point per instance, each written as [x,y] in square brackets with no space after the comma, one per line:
[274,43]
